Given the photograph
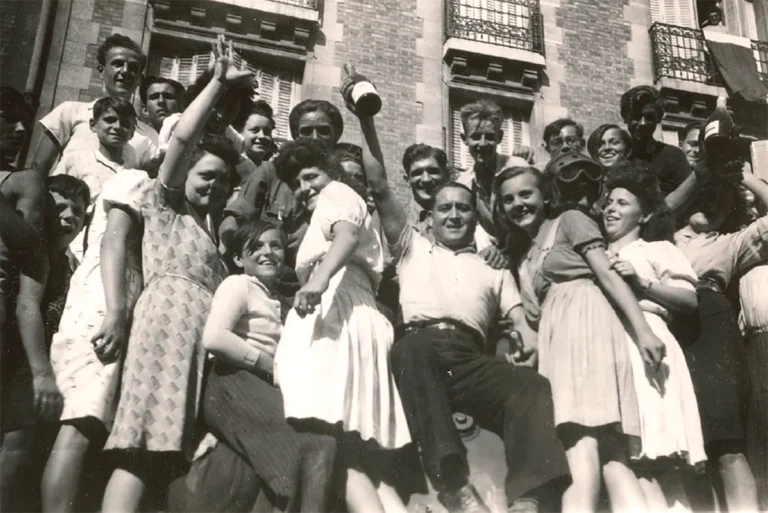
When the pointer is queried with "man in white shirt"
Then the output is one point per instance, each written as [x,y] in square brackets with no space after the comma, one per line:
[450,300]
[67,126]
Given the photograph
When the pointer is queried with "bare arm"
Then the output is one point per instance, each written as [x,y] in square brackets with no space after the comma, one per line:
[219,337]
[46,153]
[173,170]
[758,187]
[113,334]
[681,198]
[31,195]
[620,295]
[345,241]
[47,398]
[16,233]
[393,217]
[668,296]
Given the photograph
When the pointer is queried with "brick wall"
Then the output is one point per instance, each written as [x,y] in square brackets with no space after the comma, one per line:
[594,56]
[90,23]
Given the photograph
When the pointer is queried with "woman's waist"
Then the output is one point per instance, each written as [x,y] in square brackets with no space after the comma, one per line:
[207,283]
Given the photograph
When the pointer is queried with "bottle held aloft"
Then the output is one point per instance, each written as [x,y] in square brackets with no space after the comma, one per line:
[718,135]
[362,94]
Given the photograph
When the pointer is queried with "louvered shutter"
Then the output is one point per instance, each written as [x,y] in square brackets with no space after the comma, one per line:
[460,157]
[674,12]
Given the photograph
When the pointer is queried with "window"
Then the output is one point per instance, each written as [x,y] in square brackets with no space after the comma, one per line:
[670,136]
[496,21]
[515,135]
[674,12]
[280,87]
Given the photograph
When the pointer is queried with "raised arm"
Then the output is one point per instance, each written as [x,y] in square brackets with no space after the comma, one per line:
[393,217]
[758,187]
[15,231]
[173,170]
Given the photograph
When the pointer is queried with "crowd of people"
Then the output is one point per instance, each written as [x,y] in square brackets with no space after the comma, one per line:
[250,327]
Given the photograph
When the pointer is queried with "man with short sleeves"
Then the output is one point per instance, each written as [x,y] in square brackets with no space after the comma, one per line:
[450,297]
[67,126]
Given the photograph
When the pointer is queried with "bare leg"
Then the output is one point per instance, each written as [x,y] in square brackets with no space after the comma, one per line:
[124,491]
[61,479]
[738,483]
[671,482]
[623,488]
[654,495]
[390,500]
[362,496]
[584,461]
[14,455]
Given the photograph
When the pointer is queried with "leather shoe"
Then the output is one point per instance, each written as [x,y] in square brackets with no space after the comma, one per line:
[464,500]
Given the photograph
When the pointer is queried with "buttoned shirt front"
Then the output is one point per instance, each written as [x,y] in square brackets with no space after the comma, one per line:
[439,283]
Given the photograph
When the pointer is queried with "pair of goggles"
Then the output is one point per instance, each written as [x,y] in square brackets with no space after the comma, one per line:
[571,166]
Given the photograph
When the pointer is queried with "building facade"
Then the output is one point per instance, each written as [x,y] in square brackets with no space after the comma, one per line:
[539,59]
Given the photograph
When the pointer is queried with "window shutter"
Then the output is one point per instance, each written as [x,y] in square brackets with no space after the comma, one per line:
[460,157]
[285,100]
[674,12]
[166,67]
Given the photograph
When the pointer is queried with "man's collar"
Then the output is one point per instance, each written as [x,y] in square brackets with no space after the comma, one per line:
[471,248]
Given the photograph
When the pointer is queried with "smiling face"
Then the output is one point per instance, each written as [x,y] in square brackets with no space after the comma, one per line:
[208,184]
[690,147]
[121,72]
[309,183]
[642,124]
[453,218]
[71,218]
[112,131]
[257,134]
[264,259]
[162,101]
[482,139]
[317,124]
[424,177]
[613,149]
[567,138]
[523,202]
[623,214]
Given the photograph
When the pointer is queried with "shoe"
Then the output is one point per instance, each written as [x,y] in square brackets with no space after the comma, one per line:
[524,505]
[464,500]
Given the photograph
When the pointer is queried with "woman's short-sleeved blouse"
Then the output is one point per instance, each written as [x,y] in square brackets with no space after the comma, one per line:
[660,262]
[577,233]
[338,202]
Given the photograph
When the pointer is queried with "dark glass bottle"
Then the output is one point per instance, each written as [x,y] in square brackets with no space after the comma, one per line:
[363,93]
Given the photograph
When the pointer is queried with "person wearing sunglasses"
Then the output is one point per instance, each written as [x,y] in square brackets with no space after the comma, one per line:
[577,180]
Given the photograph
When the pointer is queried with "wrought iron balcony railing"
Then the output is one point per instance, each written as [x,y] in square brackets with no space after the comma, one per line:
[509,23]
[681,53]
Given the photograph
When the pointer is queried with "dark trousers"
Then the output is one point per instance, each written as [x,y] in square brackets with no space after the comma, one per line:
[439,372]
[757,413]
[246,412]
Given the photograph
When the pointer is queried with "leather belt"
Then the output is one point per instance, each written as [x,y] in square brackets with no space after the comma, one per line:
[440,324]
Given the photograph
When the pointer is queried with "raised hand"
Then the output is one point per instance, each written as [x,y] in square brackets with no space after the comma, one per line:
[225,70]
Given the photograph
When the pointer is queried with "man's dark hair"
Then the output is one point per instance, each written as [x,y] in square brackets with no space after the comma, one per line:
[554,128]
[323,106]
[421,151]
[119,41]
[69,187]
[693,125]
[259,107]
[121,106]
[152,79]
[348,152]
[16,106]
[634,100]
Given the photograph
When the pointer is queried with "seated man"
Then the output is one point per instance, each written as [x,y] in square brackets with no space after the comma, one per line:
[449,296]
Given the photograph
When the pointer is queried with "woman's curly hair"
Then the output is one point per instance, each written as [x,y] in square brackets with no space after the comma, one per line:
[635,177]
